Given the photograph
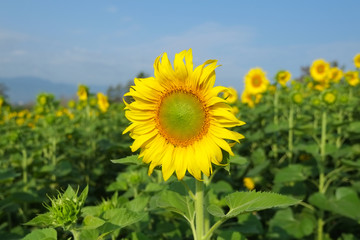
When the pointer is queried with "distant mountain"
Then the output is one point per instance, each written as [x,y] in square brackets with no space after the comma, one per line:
[22,90]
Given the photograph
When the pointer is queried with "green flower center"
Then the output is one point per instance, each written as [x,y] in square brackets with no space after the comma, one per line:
[181,117]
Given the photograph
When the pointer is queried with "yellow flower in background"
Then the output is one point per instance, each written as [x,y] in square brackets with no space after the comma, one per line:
[20,121]
[329,97]
[272,89]
[297,98]
[249,183]
[235,110]
[319,70]
[256,81]
[178,120]
[1,101]
[250,99]
[71,104]
[352,78]
[282,77]
[24,114]
[230,95]
[321,85]
[102,101]
[335,74]
[83,92]
[42,100]
[357,60]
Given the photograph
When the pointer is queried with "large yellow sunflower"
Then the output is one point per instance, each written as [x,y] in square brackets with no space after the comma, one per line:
[319,70]
[178,120]
[256,81]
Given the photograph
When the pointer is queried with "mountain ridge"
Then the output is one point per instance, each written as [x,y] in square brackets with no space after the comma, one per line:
[24,89]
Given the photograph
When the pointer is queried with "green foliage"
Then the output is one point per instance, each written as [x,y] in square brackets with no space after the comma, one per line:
[287,150]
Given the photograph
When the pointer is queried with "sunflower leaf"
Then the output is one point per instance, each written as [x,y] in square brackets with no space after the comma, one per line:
[177,203]
[42,234]
[242,202]
[129,160]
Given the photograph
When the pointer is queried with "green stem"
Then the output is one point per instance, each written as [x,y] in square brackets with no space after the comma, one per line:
[75,234]
[276,122]
[24,168]
[53,160]
[323,136]
[291,133]
[199,210]
[320,221]
[214,227]
[339,130]
[350,100]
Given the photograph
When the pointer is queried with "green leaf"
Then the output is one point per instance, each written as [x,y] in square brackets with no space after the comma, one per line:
[230,235]
[42,234]
[241,202]
[354,127]
[175,202]
[351,163]
[289,226]
[221,187]
[154,187]
[238,160]
[122,217]
[41,220]
[91,222]
[249,224]
[129,160]
[215,210]
[7,174]
[138,204]
[291,173]
[344,202]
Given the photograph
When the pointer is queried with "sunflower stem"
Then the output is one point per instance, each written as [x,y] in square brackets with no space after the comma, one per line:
[320,222]
[199,210]
[276,122]
[291,133]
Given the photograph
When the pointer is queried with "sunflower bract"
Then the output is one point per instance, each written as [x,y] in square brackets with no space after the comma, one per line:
[179,122]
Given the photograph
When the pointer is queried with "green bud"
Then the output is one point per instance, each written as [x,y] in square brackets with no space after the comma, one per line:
[64,209]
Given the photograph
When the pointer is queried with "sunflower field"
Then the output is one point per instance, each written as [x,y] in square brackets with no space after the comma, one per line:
[183,158]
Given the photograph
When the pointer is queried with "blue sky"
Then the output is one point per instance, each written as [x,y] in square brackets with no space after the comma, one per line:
[109,42]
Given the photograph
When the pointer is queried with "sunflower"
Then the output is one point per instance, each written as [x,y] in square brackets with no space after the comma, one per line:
[249,183]
[102,101]
[319,70]
[256,81]
[352,78]
[283,77]
[329,97]
[357,60]
[335,74]
[178,120]
[250,99]
[231,95]
[83,92]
